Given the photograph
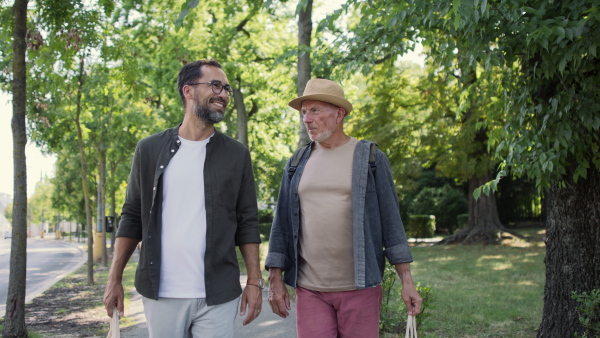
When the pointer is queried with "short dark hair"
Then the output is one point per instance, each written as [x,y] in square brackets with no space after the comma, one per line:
[191,72]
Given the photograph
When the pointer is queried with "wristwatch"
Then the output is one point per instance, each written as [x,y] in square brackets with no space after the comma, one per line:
[259,282]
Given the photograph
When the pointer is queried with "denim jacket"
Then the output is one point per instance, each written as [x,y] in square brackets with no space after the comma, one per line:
[376,222]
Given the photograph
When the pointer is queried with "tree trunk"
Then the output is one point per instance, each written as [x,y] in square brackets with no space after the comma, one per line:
[84,181]
[242,115]
[102,201]
[113,213]
[484,225]
[572,254]
[304,68]
[14,325]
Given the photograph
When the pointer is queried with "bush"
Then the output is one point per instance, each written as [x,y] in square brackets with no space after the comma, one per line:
[445,203]
[589,312]
[393,311]
[421,226]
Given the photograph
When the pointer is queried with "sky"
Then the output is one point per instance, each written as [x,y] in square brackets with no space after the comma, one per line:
[39,165]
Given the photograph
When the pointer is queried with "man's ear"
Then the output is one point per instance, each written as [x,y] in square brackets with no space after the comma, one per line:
[341,113]
[188,92]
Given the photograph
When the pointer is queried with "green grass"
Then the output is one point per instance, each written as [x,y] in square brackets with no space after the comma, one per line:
[481,291]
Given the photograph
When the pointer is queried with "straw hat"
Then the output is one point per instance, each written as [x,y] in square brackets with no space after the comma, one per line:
[323,90]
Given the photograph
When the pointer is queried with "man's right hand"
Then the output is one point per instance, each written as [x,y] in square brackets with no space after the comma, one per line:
[279,297]
[113,297]
[113,294]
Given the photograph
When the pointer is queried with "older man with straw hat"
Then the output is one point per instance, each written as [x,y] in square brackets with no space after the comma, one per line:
[337,211]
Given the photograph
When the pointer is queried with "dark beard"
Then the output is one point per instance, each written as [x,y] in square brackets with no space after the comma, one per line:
[209,115]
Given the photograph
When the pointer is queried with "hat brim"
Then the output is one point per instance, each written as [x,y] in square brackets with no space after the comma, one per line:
[334,100]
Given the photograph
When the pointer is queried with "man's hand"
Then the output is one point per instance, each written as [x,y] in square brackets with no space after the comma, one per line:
[113,296]
[279,297]
[251,301]
[410,295]
[412,299]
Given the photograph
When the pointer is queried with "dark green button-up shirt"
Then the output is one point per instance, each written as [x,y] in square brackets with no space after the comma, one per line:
[231,211]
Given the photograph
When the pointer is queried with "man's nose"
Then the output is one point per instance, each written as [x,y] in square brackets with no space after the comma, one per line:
[224,95]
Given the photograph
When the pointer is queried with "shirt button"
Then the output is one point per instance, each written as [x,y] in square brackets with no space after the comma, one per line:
[162,166]
[172,150]
[149,236]
[151,263]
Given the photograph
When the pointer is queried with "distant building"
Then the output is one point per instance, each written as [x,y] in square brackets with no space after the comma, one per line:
[5,200]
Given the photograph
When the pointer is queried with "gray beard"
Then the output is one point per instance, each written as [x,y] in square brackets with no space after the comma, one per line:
[207,114]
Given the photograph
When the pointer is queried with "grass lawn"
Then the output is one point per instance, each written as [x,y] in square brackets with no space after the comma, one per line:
[479,291]
[483,291]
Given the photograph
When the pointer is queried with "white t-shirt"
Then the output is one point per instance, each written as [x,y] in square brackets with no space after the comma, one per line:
[184,223]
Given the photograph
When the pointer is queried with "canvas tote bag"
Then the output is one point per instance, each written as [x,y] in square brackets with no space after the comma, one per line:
[411,327]
[114,331]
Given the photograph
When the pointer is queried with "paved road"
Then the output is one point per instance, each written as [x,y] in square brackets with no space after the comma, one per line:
[48,261]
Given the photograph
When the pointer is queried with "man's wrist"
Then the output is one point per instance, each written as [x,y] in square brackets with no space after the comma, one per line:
[258,282]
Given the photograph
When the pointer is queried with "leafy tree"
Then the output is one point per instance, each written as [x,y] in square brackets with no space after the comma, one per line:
[456,90]
[533,65]
[553,137]
[41,201]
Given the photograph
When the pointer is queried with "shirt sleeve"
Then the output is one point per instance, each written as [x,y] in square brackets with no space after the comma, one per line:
[247,209]
[394,237]
[281,229]
[131,215]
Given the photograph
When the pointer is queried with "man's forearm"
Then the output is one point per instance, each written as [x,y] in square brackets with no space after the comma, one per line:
[403,270]
[124,247]
[275,274]
[250,254]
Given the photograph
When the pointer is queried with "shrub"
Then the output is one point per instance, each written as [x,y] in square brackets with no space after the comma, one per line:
[589,312]
[445,203]
[421,226]
[393,310]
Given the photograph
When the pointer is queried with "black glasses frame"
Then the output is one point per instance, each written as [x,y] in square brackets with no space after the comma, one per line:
[216,86]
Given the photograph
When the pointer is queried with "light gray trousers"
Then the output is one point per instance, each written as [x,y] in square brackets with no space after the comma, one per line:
[189,317]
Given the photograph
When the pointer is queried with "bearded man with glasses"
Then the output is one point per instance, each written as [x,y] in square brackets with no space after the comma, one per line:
[190,201]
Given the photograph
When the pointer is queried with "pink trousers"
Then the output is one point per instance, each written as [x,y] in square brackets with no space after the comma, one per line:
[343,314]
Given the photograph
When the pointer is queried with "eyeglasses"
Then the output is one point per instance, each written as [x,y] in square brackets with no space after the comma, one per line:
[217,86]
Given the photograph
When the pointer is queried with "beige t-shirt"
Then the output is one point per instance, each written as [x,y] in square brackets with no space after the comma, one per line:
[325,247]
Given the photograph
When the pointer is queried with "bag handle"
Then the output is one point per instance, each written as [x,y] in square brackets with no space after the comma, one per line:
[411,327]
[114,331]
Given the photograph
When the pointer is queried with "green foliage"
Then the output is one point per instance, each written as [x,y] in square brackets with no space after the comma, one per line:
[8,212]
[40,204]
[393,314]
[420,226]
[462,220]
[389,110]
[589,311]
[445,203]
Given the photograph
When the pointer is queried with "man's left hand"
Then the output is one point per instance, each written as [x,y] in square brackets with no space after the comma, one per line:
[252,302]
[412,299]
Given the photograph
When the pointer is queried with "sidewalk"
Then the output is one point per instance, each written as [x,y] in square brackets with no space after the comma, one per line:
[266,325]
